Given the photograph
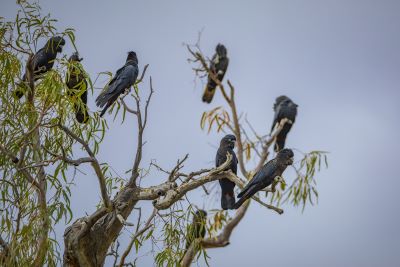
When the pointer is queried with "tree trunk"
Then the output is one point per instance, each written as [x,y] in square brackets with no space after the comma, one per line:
[87,245]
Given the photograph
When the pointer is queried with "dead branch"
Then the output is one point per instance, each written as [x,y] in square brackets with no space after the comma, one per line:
[174,194]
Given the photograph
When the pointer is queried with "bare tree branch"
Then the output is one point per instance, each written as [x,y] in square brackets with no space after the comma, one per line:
[136,235]
[95,165]
[173,175]
[143,73]
[141,124]
[174,194]
[128,108]
[75,162]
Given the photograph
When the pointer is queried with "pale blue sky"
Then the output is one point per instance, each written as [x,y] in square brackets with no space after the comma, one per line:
[338,60]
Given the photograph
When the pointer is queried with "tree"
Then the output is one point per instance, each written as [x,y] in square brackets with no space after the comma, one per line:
[38,138]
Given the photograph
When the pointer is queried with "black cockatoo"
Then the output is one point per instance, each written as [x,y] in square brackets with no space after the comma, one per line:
[266,175]
[198,227]
[123,80]
[227,145]
[284,107]
[43,60]
[77,86]
[218,65]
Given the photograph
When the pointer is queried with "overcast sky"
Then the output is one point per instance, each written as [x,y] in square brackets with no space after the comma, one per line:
[338,60]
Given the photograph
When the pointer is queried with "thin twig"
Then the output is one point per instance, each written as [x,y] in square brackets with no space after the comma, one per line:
[128,108]
[172,177]
[136,235]
[143,73]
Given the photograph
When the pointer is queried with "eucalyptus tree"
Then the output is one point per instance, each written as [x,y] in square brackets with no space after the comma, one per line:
[39,138]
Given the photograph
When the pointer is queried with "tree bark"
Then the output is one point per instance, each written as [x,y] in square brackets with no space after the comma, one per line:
[87,240]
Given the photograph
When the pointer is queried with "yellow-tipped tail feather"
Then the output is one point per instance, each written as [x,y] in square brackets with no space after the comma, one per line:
[208,94]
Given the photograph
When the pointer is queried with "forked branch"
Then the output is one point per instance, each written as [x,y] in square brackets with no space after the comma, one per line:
[95,164]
